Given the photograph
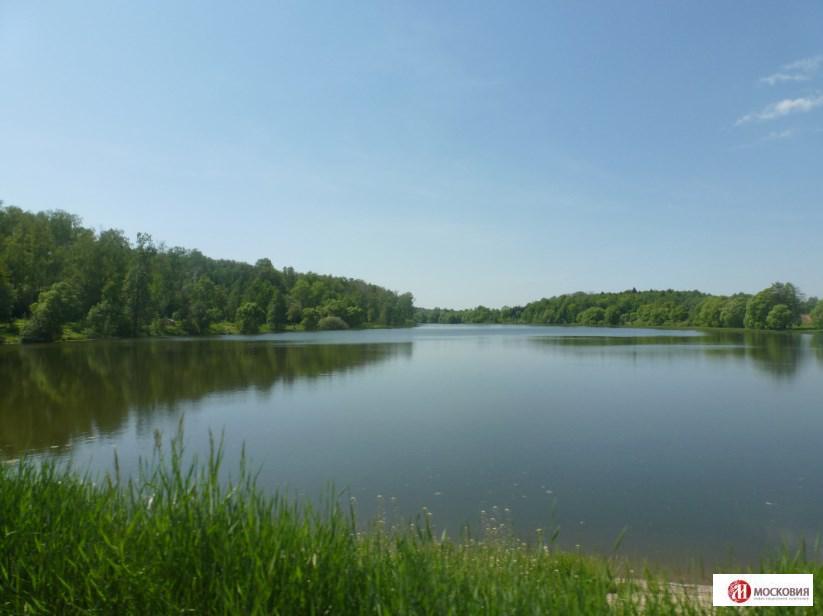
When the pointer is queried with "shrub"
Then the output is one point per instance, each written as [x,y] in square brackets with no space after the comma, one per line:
[53,309]
[250,317]
[592,316]
[104,319]
[780,317]
[327,323]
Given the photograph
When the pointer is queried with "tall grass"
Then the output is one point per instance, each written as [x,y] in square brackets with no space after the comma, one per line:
[177,540]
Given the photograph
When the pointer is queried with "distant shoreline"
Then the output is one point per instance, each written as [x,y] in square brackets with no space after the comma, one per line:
[228,329]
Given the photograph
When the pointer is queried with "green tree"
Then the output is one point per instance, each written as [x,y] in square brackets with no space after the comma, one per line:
[327,323]
[354,315]
[592,316]
[817,314]
[294,313]
[787,294]
[124,287]
[780,317]
[202,310]
[310,319]
[808,305]
[761,305]
[53,309]
[250,317]
[105,319]
[757,310]
[6,295]
[404,309]
[136,295]
[733,312]
[277,313]
[612,315]
[709,312]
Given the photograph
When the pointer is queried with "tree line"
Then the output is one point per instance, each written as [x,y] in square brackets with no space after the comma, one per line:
[55,272]
[778,307]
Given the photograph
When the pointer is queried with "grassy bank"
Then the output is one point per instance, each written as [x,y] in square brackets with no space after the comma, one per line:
[174,540]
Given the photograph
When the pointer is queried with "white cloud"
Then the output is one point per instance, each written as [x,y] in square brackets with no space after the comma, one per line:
[799,70]
[776,78]
[807,65]
[783,108]
[780,134]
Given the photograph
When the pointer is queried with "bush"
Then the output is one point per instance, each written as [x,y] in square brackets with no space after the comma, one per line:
[761,305]
[592,316]
[817,314]
[53,309]
[250,317]
[309,319]
[734,312]
[6,296]
[104,320]
[780,317]
[327,323]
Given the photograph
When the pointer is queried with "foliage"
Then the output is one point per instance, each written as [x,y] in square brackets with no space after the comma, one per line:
[126,289]
[6,295]
[310,319]
[105,320]
[761,305]
[592,316]
[250,317]
[327,323]
[640,309]
[817,314]
[277,314]
[136,292]
[780,317]
[733,313]
[54,308]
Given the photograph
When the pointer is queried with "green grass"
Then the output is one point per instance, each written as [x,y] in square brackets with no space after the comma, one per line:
[177,540]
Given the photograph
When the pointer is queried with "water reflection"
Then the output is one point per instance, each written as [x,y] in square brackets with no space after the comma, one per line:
[817,346]
[779,354]
[697,442]
[51,395]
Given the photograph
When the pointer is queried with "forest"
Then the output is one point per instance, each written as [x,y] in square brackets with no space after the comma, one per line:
[59,278]
[778,307]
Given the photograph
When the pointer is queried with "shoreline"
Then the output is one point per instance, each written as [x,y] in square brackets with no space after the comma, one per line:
[225,330]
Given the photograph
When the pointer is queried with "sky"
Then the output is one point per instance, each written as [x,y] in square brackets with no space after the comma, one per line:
[469,152]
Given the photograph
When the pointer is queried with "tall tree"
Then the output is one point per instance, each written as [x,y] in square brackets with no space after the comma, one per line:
[136,295]
[277,313]
[250,317]
[6,295]
[54,307]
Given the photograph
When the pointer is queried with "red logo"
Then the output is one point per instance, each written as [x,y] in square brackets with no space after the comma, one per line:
[740,591]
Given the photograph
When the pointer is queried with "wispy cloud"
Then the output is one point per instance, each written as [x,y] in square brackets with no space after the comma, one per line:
[780,134]
[800,70]
[787,106]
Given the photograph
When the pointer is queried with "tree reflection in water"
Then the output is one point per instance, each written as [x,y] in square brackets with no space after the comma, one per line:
[50,395]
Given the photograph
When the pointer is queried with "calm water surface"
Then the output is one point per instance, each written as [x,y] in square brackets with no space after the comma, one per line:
[705,446]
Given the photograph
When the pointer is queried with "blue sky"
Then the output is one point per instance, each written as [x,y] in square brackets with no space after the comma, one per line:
[466,152]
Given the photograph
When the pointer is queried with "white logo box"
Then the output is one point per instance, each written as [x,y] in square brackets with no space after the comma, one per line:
[762,589]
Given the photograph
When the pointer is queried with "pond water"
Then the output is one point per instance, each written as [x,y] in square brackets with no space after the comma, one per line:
[705,447]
